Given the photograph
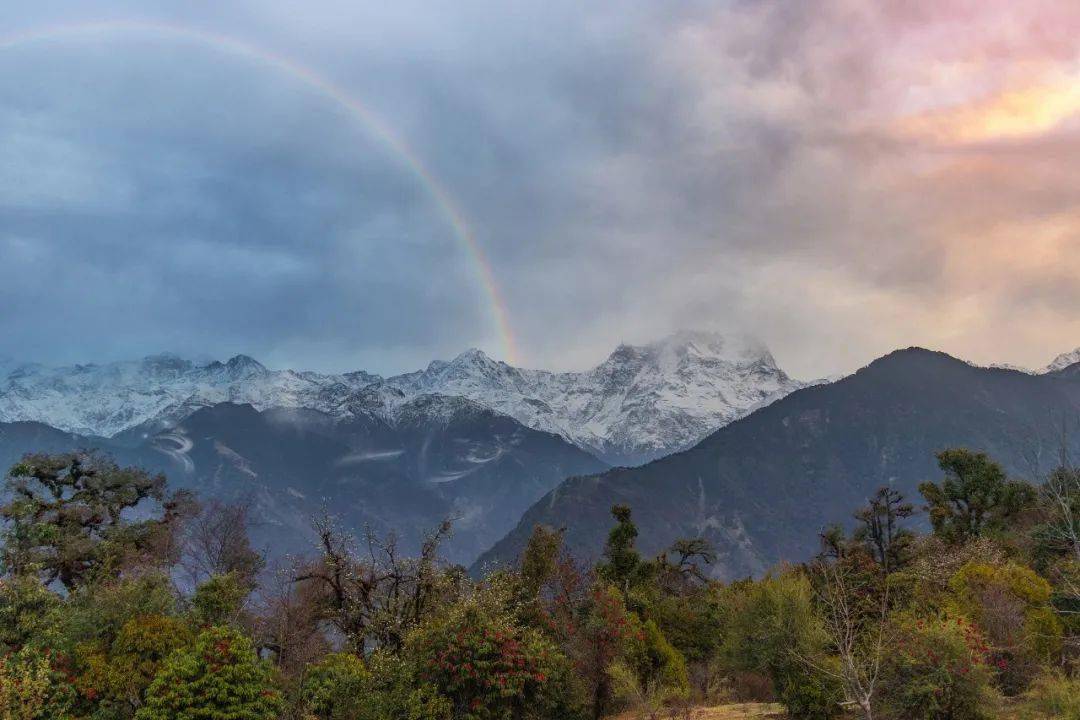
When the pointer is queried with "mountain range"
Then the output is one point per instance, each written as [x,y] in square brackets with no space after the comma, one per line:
[763,487]
[641,403]
[734,449]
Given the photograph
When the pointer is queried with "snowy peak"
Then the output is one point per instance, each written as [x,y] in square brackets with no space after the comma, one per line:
[639,403]
[1063,361]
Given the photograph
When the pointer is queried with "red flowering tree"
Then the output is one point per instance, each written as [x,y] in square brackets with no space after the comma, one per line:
[939,668]
[590,622]
[490,667]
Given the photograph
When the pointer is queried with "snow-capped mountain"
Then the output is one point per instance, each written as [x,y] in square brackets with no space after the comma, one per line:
[642,402]
[108,399]
[1062,361]
[1059,363]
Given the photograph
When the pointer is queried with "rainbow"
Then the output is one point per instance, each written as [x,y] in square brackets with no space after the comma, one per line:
[308,77]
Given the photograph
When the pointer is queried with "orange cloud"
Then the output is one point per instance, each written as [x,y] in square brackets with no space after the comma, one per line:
[1010,114]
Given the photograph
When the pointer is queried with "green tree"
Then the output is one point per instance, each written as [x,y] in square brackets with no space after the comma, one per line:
[32,687]
[66,516]
[773,627]
[937,670]
[974,497]
[489,666]
[622,565]
[219,677]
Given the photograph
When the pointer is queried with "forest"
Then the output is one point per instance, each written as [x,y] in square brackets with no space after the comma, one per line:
[122,598]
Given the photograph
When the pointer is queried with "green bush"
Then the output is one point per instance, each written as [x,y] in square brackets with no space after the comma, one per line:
[772,627]
[1053,696]
[937,669]
[220,677]
[1011,605]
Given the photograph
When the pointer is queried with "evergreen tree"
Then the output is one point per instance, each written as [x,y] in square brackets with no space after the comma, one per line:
[622,565]
[974,497]
[880,528]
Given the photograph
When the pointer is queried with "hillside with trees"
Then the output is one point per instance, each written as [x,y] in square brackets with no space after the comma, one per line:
[761,488]
[123,599]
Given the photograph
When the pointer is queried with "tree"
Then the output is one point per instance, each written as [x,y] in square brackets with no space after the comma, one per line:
[973,498]
[220,677]
[773,627]
[218,543]
[855,616]
[539,560]
[622,565]
[880,528]
[66,517]
[378,596]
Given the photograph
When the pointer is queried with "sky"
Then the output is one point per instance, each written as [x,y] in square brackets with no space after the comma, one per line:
[342,184]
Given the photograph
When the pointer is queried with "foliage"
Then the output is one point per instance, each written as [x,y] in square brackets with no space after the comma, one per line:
[881,531]
[937,670]
[219,677]
[66,517]
[26,612]
[772,627]
[336,688]
[1053,696]
[115,677]
[486,665]
[1011,605]
[219,600]
[974,497]
[622,565]
[34,687]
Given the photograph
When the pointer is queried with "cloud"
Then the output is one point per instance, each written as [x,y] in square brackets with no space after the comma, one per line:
[839,177]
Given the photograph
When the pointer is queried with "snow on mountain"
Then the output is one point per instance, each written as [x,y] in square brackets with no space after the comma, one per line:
[1062,361]
[642,402]
[108,399]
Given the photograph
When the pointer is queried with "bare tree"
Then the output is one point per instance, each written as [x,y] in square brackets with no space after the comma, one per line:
[289,624]
[218,542]
[856,618]
[376,594]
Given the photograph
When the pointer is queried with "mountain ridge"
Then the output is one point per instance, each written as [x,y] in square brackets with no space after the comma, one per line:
[642,402]
[761,487]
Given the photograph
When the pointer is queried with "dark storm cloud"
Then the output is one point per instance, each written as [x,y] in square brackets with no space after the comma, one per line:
[834,176]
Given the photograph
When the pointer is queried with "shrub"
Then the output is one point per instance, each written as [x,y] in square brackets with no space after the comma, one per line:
[219,600]
[26,608]
[773,628]
[32,687]
[657,662]
[1053,696]
[937,669]
[488,667]
[118,676]
[220,677]
[336,687]
[1011,606]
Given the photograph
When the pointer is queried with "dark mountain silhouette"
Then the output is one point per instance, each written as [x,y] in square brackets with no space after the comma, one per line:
[438,457]
[763,487]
